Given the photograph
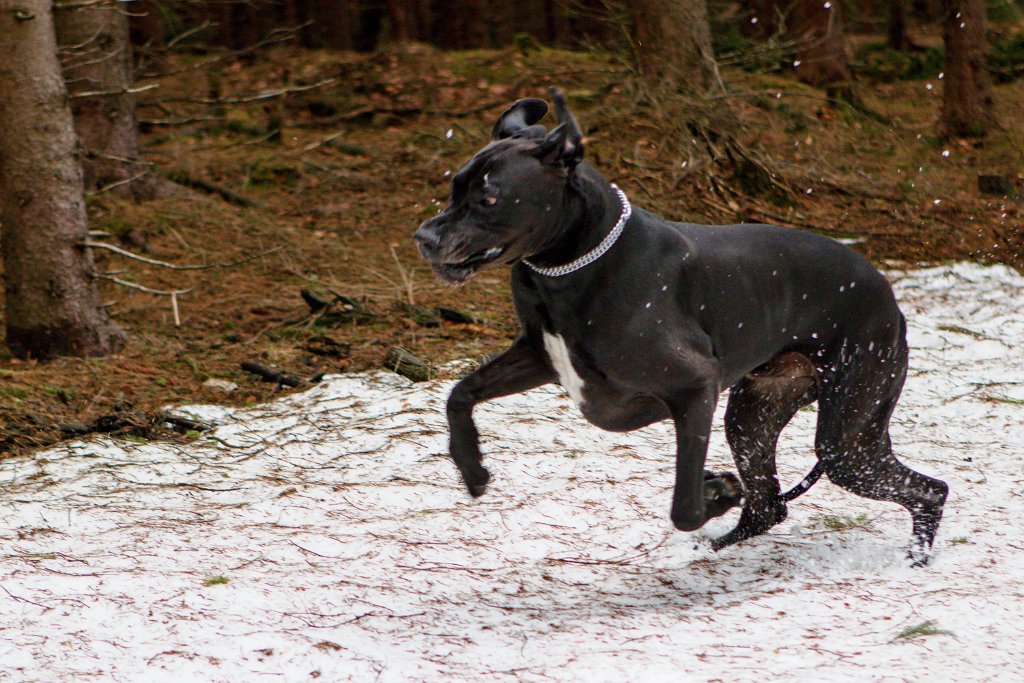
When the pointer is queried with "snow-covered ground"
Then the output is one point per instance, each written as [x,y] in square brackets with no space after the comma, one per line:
[325,535]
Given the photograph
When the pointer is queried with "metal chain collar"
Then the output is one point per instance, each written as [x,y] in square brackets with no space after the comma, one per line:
[598,251]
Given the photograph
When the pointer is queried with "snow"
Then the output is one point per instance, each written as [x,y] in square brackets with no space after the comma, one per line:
[325,535]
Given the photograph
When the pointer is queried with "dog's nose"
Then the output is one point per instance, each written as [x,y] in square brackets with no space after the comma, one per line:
[428,238]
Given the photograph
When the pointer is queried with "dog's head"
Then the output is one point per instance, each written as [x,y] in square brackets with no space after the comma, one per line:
[506,201]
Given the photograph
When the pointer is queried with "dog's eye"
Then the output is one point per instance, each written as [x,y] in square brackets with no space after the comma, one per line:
[489,200]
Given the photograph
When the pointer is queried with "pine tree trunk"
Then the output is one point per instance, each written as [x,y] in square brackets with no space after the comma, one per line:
[52,303]
[897,34]
[464,24]
[821,55]
[147,26]
[334,22]
[97,58]
[672,46]
[967,95]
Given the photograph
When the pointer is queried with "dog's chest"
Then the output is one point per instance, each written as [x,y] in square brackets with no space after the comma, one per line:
[561,361]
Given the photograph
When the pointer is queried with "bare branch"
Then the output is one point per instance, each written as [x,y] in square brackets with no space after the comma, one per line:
[113,93]
[267,95]
[142,288]
[172,266]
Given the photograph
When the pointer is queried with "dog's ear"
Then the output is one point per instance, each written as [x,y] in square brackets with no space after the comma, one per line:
[519,119]
[563,145]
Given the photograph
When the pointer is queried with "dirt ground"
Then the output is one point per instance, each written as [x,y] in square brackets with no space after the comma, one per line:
[321,189]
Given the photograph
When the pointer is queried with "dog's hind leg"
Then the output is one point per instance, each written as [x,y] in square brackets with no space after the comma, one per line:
[760,406]
[854,447]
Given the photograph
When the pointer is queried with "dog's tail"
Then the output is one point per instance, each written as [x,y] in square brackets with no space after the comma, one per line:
[805,483]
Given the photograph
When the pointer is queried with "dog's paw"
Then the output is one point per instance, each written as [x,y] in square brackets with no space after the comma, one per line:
[722,491]
[476,481]
[919,555]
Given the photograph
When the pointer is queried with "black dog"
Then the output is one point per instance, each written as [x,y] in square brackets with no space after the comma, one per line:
[641,319]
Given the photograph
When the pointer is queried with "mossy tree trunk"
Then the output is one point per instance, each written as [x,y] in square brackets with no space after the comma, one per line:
[967,108]
[52,302]
[96,55]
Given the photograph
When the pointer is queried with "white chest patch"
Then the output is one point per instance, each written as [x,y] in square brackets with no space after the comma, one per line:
[558,353]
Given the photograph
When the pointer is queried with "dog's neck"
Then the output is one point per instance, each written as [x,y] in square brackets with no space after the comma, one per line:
[592,208]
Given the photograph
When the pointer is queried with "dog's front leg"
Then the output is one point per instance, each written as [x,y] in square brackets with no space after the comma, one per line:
[698,495]
[518,369]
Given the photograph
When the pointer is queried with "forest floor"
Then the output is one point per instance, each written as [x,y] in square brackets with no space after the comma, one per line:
[321,189]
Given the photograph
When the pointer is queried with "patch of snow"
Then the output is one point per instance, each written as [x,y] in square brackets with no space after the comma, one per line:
[326,534]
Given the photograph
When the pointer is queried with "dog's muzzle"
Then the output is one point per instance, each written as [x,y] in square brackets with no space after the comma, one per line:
[453,268]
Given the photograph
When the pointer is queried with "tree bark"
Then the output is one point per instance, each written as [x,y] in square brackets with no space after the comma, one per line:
[52,302]
[672,46]
[897,34]
[96,55]
[821,55]
[767,14]
[332,24]
[146,25]
[967,109]
[464,24]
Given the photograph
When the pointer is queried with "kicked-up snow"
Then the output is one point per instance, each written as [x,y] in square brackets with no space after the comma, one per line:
[326,536]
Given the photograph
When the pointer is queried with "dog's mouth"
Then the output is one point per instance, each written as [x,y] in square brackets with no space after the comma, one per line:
[457,272]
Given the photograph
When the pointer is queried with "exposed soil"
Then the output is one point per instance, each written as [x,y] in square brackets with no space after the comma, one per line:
[339,175]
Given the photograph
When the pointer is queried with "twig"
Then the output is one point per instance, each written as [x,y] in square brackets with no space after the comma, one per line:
[147,290]
[184,422]
[174,308]
[211,188]
[406,280]
[15,597]
[172,266]
[118,183]
[259,97]
[113,93]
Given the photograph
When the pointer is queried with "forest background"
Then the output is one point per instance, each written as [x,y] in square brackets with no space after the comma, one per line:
[197,197]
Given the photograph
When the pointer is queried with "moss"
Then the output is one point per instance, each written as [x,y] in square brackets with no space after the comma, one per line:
[268,171]
[843,523]
[879,62]
[922,630]
[16,393]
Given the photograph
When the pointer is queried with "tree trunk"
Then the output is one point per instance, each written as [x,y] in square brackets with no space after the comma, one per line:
[52,303]
[967,95]
[464,24]
[672,46]
[559,26]
[762,18]
[333,24]
[402,27]
[926,10]
[821,55]
[146,24]
[97,58]
[897,34]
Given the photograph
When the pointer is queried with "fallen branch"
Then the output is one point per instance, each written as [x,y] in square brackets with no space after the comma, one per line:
[113,93]
[186,423]
[258,97]
[164,264]
[142,288]
[212,188]
[272,375]
[407,365]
